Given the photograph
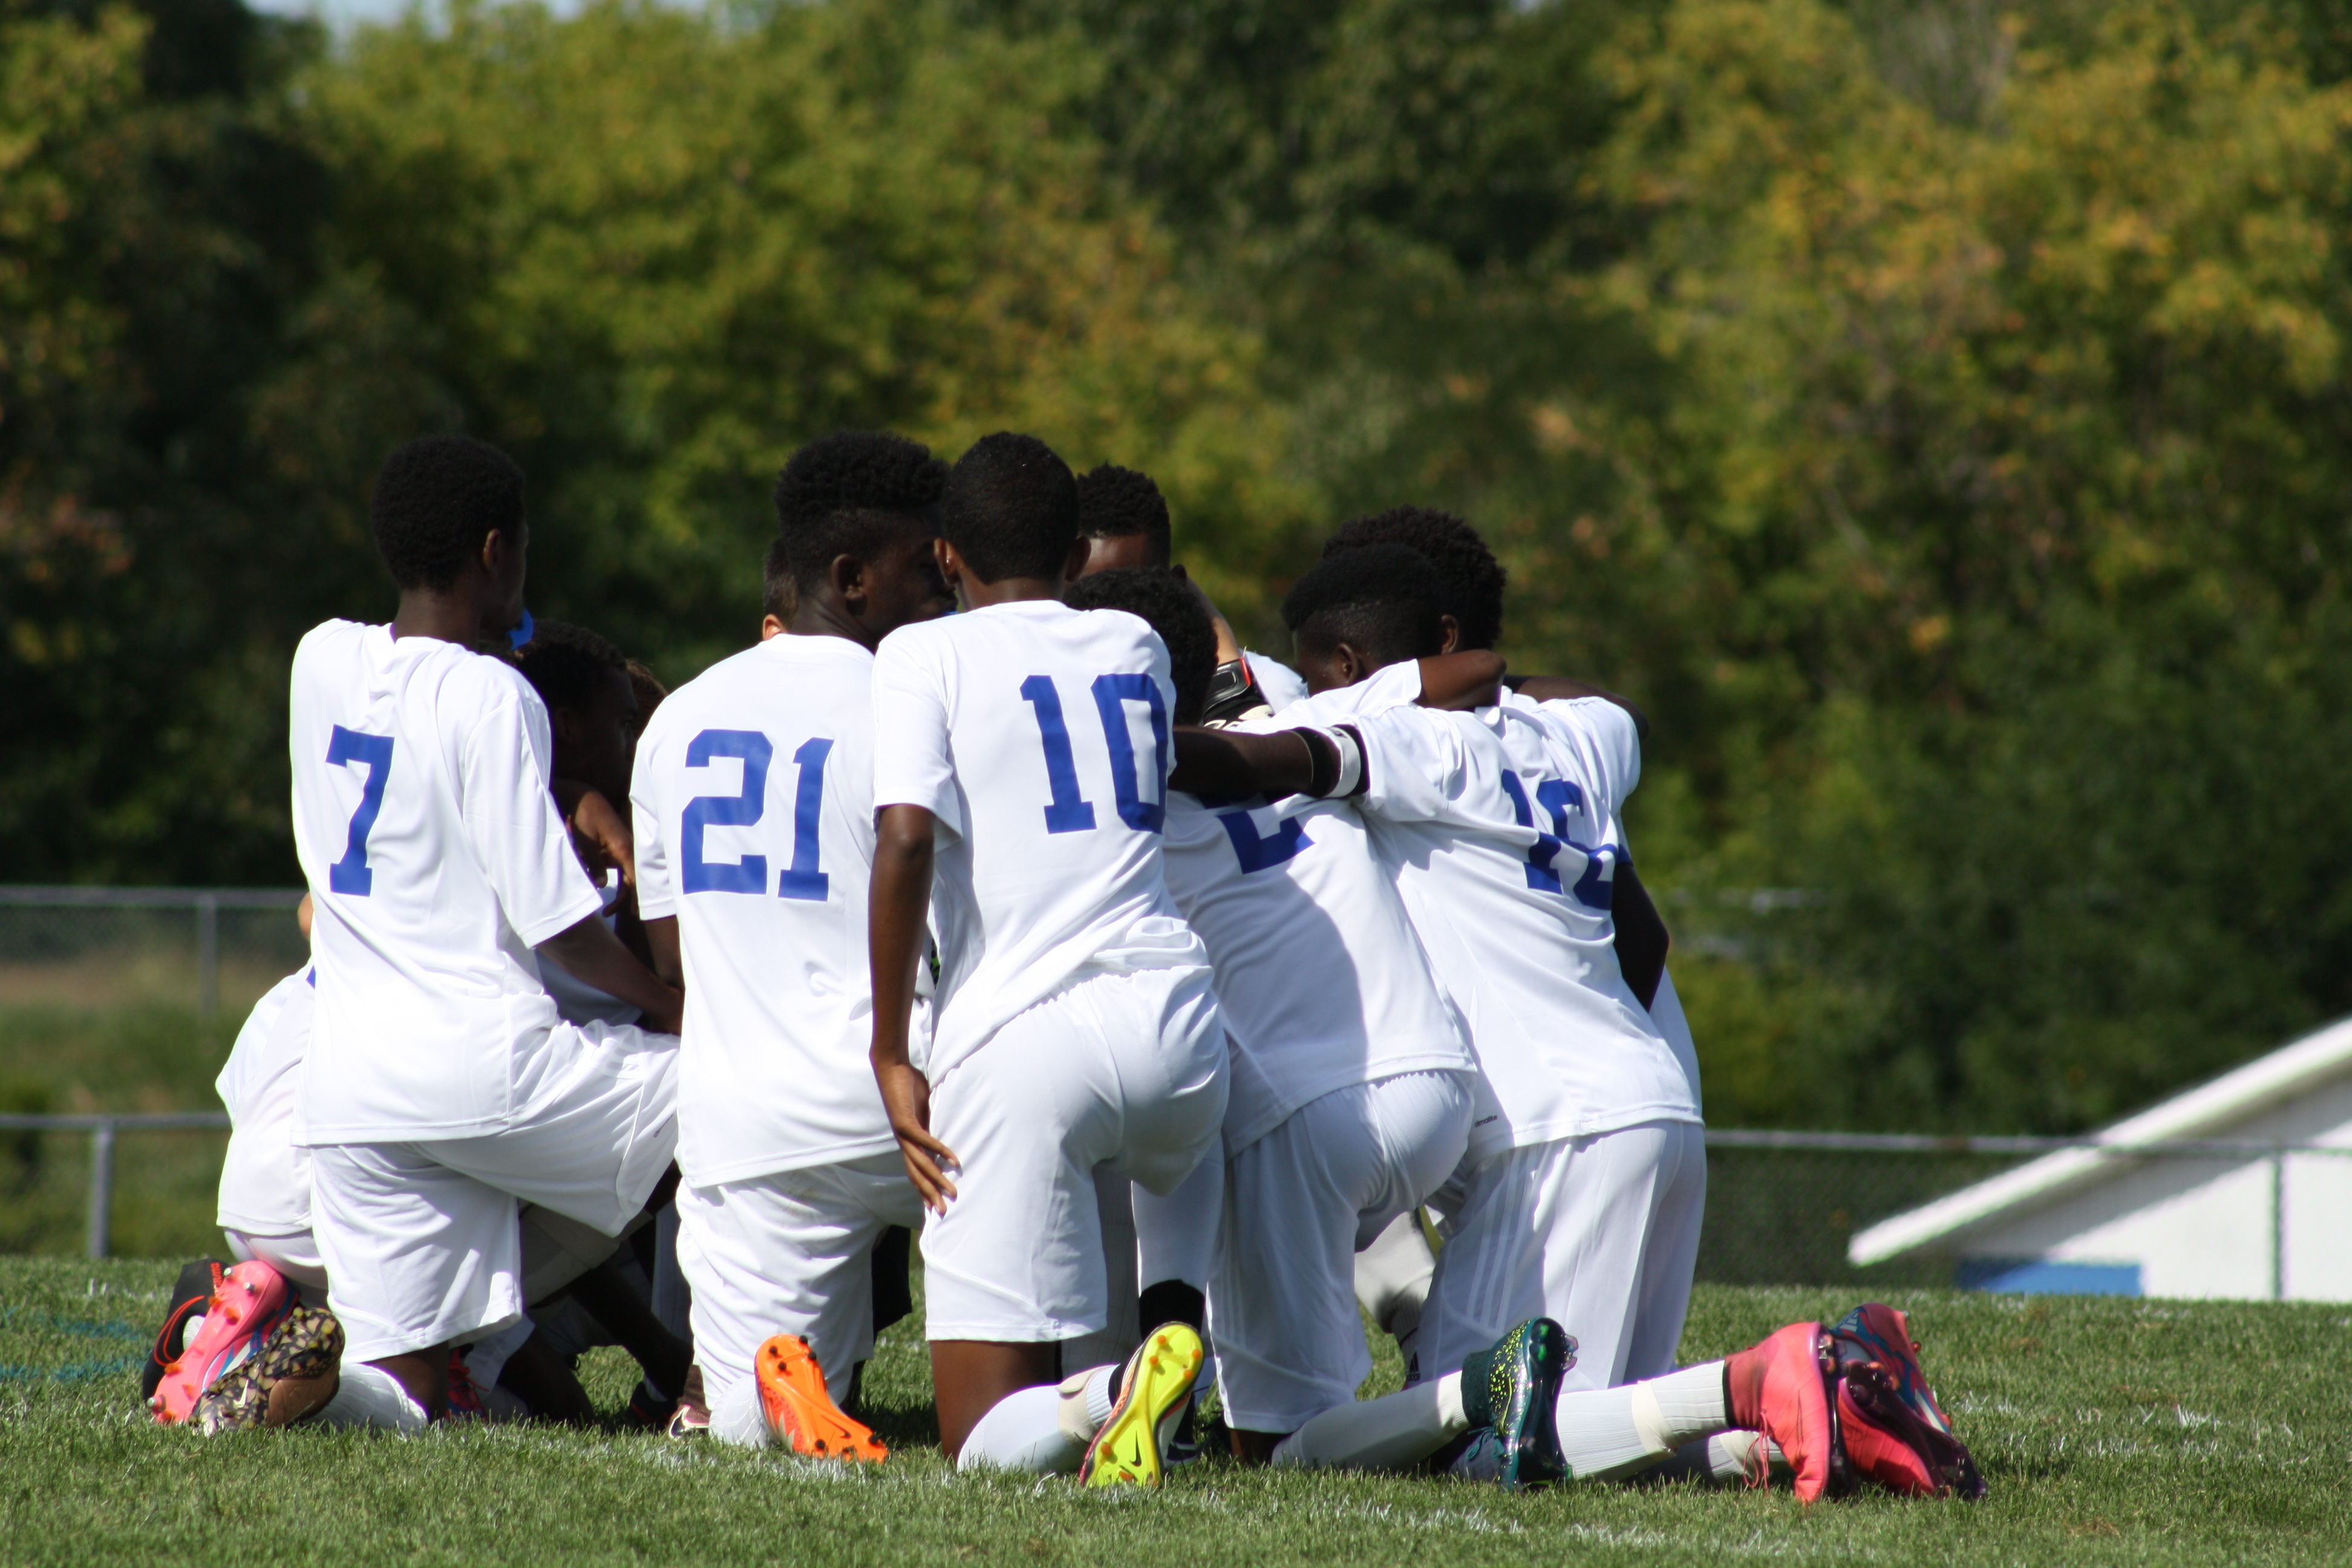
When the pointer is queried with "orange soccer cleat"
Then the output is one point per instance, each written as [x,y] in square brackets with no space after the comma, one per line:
[799,1411]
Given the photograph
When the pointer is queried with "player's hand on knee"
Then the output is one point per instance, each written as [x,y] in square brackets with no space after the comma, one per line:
[906,1097]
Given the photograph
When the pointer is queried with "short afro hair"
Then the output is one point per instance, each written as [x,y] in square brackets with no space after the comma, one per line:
[850,493]
[1171,607]
[1381,598]
[568,666]
[778,595]
[1120,504]
[649,690]
[1011,508]
[1469,579]
[436,499]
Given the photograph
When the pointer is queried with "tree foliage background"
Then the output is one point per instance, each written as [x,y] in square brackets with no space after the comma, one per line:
[1935,413]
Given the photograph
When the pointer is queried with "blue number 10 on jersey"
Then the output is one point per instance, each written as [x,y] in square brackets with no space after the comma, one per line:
[1065,811]
[799,880]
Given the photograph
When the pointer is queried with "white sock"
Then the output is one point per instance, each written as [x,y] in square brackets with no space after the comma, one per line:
[1390,1433]
[1094,1392]
[1609,1433]
[370,1396]
[1729,1457]
[736,1416]
[1025,1431]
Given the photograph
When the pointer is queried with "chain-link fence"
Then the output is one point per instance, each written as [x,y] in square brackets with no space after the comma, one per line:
[117,1008]
[198,947]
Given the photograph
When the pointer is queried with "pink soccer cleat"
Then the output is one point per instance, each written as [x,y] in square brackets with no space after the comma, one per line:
[251,1300]
[1892,1430]
[1780,1387]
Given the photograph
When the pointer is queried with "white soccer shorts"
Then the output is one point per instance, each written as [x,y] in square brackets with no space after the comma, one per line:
[1122,1070]
[1599,1233]
[1299,1204]
[294,1253]
[420,1239]
[789,1253]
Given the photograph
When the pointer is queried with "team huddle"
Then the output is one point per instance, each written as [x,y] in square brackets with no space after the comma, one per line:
[1186,1007]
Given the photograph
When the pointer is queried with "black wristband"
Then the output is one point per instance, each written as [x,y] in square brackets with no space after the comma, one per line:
[1322,763]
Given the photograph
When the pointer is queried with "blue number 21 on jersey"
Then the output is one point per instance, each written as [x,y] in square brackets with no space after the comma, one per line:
[1065,810]
[801,878]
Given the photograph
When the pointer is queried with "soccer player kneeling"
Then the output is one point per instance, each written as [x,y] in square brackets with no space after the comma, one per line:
[1021,760]
[754,813]
[441,1085]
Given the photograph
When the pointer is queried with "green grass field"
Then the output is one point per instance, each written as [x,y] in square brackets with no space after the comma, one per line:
[2111,1431]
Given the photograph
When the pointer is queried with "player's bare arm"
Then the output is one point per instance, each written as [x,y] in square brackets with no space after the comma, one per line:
[661,937]
[592,955]
[896,910]
[600,834]
[1642,936]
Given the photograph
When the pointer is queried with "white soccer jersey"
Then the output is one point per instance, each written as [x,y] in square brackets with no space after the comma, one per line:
[1494,824]
[264,1185]
[1280,683]
[1321,981]
[437,862]
[754,806]
[1666,1006]
[1037,735]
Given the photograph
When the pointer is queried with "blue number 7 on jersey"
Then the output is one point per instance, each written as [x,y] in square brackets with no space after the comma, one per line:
[351,874]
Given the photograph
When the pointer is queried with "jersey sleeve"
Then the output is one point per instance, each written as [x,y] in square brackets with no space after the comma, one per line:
[1607,735]
[1415,766]
[1278,680]
[913,764]
[656,886]
[517,837]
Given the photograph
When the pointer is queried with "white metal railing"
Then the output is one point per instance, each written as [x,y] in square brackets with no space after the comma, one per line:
[205,903]
[101,1128]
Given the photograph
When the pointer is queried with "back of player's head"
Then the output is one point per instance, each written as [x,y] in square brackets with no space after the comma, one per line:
[570,666]
[1119,503]
[1469,579]
[1011,508]
[1171,607]
[778,595]
[851,493]
[436,499]
[649,690]
[1381,599]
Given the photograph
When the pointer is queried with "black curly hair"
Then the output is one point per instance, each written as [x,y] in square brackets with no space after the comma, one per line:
[436,499]
[1011,508]
[778,595]
[1119,503]
[1381,598]
[566,664]
[1171,607]
[850,493]
[1469,579]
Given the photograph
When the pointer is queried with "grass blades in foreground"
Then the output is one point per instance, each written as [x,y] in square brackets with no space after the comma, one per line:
[2111,1431]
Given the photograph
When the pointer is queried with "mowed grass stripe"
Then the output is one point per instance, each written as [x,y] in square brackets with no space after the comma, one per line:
[2111,1431]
